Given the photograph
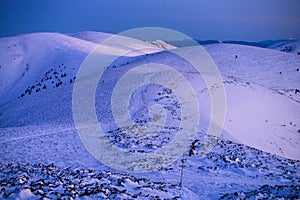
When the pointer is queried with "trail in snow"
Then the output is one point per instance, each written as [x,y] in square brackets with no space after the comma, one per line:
[256,157]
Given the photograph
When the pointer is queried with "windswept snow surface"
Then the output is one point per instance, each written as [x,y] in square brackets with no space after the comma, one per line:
[162,44]
[290,46]
[25,59]
[262,102]
[42,155]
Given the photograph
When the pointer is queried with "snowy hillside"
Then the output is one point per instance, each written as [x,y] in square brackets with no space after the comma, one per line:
[290,46]
[162,44]
[274,70]
[262,97]
[29,61]
[42,154]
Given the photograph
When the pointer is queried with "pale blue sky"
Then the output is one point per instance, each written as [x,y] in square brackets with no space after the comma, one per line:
[250,20]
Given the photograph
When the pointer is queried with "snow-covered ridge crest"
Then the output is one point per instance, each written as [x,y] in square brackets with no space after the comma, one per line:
[162,44]
[26,58]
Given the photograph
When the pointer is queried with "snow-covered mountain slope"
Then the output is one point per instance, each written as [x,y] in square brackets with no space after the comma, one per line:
[162,44]
[262,122]
[263,119]
[272,69]
[27,61]
[269,68]
[91,36]
[260,71]
[260,108]
[290,46]
[257,111]
[26,58]
[262,97]
[97,37]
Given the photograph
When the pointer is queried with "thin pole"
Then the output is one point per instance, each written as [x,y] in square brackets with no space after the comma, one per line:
[182,166]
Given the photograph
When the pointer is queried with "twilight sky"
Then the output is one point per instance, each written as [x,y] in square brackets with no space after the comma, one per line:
[250,20]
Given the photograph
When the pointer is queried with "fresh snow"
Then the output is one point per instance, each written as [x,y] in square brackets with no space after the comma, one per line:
[290,46]
[26,58]
[43,156]
[162,44]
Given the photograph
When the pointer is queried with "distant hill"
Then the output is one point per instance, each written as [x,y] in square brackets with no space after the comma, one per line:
[286,45]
